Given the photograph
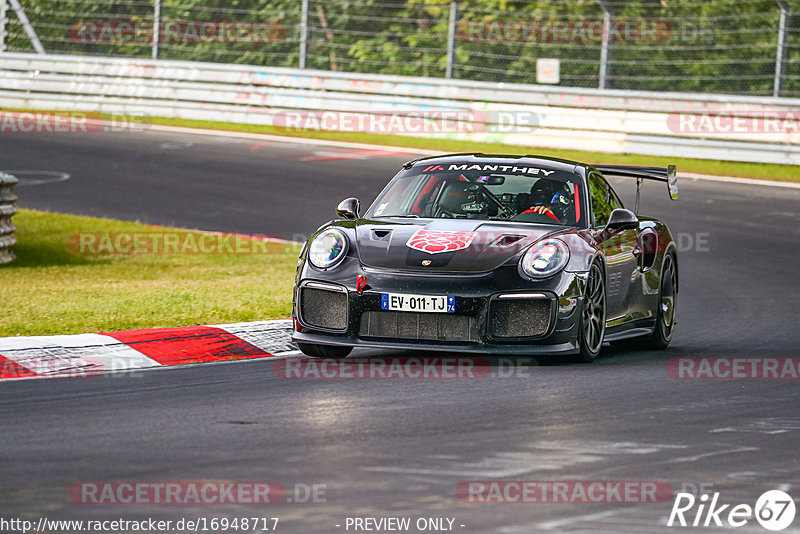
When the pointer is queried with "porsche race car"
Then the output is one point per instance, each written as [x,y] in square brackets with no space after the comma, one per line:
[490,254]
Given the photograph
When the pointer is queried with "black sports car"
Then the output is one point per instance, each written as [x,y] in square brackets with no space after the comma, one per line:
[490,254]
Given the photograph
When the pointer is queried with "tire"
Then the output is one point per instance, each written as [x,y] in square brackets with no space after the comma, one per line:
[665,313]
[593,316]
[324,351]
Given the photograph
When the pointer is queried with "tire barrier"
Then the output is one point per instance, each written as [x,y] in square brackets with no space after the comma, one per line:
[7,210]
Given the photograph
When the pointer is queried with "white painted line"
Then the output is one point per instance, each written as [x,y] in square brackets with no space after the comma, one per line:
[734,180]
[558,524]
[287,139]
[704,455]
[346,144]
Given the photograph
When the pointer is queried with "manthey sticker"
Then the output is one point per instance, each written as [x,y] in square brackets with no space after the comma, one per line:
[512,169]
[435,241]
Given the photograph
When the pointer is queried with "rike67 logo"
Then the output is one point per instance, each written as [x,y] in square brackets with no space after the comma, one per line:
[774,510]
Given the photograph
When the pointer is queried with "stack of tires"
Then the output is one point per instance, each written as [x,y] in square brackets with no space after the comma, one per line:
[7,210]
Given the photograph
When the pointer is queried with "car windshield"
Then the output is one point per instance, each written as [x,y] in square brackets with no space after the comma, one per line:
[524,194]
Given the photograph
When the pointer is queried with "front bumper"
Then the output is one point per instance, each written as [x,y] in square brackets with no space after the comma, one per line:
[475,299]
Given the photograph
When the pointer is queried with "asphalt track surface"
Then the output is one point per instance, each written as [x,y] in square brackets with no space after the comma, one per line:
[400,447]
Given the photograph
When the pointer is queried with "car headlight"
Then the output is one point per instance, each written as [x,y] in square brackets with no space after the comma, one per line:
[328,248]
[545,258]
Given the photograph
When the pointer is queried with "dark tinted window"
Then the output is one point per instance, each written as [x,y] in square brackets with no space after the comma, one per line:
[485,190]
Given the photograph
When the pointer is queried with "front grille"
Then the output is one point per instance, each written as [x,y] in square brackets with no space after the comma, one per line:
[324,309]
[419,326]
[519,317]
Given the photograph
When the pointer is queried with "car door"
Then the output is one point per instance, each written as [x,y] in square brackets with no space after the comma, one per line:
[619,247]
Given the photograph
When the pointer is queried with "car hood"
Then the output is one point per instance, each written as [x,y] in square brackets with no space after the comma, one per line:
[454,245]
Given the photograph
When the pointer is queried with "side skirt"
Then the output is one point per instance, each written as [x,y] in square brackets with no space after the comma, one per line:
[642,327]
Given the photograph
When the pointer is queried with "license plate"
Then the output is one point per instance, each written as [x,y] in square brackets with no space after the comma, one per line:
[418,303]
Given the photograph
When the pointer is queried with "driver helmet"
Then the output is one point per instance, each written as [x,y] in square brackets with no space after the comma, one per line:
[554,195]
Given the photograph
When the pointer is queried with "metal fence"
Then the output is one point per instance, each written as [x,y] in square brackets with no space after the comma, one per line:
[726,127]
[712,46]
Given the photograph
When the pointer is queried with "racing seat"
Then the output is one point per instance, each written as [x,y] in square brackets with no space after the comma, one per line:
[423,205]
[454,195]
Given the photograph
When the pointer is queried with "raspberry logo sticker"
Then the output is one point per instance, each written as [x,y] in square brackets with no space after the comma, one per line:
[434,242]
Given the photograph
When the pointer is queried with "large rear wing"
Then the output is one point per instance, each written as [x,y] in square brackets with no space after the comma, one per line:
[660,174]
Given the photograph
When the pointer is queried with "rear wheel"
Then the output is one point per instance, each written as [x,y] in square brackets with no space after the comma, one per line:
[324,351]
[665,314]
[593,317]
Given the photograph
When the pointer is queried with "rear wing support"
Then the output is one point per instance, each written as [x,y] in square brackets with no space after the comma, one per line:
[666,174]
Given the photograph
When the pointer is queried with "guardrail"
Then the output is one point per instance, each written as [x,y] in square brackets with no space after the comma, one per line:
[755,129]
[7,210]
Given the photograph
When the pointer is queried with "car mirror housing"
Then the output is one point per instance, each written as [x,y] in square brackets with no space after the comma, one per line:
[672,182]
[348,209]
[622,219]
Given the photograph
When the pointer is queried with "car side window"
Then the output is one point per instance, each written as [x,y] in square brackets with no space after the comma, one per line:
[602,198]
[616,203]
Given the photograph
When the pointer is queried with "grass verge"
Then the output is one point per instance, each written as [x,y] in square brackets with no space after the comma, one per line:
[54,289]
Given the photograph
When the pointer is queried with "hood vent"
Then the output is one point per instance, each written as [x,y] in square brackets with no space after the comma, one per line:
[507,240]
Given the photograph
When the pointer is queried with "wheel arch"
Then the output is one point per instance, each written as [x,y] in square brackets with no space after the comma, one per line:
[671,250]
[600,259]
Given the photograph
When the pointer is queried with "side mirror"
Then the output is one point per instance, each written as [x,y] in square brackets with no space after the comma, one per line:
[622,219]
[348,209]
[672,182]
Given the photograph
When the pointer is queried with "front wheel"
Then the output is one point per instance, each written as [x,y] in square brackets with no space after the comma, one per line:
[593,316]
[324,351]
